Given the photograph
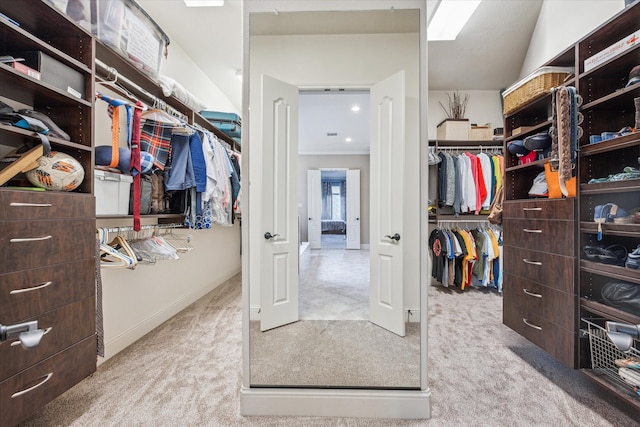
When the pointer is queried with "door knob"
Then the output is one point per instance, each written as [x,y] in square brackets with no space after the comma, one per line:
[395,237]
[357,219]
[268,235]
[309,219]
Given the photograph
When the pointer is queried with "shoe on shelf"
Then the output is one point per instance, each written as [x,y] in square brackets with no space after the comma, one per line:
[632,362]
[633,259]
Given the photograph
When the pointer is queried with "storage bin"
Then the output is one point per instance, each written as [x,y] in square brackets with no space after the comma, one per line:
[533,86]
[124,26]
[112,192]
[481,133]
[229,123]
[453,130]
[53,71]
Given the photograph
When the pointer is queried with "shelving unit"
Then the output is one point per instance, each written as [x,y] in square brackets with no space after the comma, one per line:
[549,310]
[607,106]
[47,239]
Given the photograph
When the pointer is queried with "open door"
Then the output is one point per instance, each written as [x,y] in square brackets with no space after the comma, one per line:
[279,252]
[314,208]
[387,182]
[353,209]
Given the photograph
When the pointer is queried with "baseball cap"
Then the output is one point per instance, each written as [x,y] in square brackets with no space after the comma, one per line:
[517,148]
[539,187]
[634,76]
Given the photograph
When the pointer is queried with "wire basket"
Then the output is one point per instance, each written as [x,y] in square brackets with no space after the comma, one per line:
[604,354]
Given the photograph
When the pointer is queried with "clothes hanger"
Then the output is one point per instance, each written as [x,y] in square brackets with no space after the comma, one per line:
[109,256]
[120,244]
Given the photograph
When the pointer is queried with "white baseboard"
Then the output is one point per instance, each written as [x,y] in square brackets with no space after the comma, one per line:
[411,315]
[365,246]
[399,404]
[130,335]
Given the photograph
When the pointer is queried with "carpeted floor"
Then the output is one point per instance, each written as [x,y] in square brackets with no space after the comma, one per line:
[187,372]
[335,285]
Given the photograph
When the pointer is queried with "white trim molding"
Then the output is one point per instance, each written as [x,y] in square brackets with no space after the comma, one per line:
[398,404]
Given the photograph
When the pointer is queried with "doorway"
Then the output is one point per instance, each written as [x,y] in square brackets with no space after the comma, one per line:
[334,129]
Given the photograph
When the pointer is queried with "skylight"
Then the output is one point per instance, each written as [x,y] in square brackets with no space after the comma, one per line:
[449,19]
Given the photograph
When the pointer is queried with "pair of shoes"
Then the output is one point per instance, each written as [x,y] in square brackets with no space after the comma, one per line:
[613,255]
[633,259]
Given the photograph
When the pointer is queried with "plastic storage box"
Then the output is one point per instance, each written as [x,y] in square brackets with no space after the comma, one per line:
[112,192]
[124,26]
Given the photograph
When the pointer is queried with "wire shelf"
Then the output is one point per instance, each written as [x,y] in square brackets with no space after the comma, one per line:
[604,355]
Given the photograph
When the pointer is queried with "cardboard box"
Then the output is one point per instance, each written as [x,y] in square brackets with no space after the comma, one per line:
[112,191]
[54,72]
[453,130]
[521,129]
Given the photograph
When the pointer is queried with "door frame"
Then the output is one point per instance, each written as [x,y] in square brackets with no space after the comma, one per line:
[329,402]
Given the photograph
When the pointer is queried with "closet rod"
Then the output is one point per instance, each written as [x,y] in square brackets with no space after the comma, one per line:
[471,147]
[139,91]
[145,227]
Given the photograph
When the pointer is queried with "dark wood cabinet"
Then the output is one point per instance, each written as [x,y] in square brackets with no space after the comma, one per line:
[47,239]
[552,291]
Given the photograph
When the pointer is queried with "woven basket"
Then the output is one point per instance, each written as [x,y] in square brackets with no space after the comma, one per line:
[534,86]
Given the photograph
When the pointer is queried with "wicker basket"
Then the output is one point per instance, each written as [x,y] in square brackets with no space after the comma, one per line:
[533,86]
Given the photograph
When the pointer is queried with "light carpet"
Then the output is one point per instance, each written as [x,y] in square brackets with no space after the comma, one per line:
[187,372]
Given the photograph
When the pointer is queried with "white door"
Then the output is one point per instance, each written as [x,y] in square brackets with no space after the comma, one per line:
[314,208]
[279,252]
[353,209]
[387,171]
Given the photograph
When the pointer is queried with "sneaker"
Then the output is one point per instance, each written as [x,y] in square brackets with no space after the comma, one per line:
[631,362]
[633,259]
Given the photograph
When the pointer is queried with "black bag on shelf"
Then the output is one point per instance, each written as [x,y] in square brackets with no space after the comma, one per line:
[622,295]
[146,186]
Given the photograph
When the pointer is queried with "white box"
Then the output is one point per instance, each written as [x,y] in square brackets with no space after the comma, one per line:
[112,192]
[453,130]
[614,50]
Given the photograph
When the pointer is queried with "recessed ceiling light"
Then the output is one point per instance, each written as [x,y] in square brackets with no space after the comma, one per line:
[355,108]
[449,19]
[203,3]
[347,139]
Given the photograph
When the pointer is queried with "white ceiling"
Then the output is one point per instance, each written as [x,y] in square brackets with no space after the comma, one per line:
[487,55]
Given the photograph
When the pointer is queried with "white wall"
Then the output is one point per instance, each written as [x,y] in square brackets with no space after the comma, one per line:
[485,106]
[343,60]
[360,162]
[562,23]
[137,301]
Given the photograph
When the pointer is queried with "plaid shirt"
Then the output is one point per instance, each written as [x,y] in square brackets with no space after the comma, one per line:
[155,138]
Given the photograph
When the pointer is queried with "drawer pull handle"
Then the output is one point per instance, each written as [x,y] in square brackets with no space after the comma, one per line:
[46,331]
[33,288]
[526,322]
[531,209]
[531,262]
[531,293]
[25,391]
[528,230]
[31,239]
[31,205]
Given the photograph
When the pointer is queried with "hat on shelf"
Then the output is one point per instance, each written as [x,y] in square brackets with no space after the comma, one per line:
[517,148]
[634,76]
[539,187]
[103,158]
[538,142]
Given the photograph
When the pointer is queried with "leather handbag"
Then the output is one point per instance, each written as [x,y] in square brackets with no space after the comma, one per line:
[553,183]
[495,210]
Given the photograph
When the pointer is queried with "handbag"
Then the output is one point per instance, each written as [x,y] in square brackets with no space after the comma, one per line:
[495,210]
[553,183]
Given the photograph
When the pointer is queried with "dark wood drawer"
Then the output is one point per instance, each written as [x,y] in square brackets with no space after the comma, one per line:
[540,209]
[63,327]
[25,205]
[555,340]
[27,293]
[25,393]
[553,236]
[554,271]
[32,244]
[553,305]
